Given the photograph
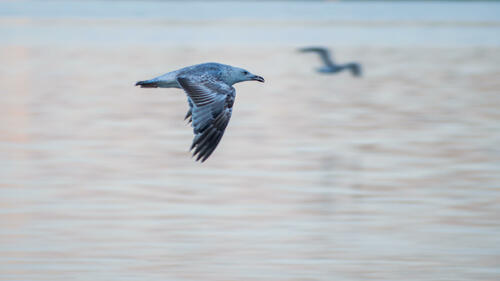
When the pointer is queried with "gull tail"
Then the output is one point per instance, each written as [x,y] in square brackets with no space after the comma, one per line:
[147,84]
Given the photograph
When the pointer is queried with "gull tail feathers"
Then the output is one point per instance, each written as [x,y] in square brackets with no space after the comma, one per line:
[147,84]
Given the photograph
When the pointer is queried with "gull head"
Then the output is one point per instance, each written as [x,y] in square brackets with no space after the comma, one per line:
[240,75]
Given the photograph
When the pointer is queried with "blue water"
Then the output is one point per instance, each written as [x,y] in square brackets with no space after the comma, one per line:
[306,10]
[392,176]
[275,23]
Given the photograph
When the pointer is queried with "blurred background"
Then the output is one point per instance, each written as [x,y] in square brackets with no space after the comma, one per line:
[391,176]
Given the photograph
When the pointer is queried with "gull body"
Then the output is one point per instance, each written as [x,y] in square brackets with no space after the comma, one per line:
[210,95]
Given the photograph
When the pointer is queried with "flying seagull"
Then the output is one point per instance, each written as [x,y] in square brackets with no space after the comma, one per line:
[330,66]
[210,96]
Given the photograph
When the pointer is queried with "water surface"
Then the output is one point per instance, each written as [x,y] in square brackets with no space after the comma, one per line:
[394,176]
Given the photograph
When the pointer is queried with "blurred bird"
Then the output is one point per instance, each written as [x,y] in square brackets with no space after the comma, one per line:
[330,66]
[210,96]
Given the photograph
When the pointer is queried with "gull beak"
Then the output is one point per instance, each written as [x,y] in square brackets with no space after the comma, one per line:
[258,78]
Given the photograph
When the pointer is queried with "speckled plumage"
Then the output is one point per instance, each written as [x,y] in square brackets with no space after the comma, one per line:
[210,94]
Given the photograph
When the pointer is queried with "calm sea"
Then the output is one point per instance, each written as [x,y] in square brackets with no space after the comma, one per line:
[392,176]
[295,22]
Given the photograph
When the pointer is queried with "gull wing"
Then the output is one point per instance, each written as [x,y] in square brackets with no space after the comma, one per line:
[211,104]
[323,53]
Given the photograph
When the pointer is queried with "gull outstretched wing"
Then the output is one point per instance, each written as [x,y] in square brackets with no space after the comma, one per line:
[211,102]
[323,53]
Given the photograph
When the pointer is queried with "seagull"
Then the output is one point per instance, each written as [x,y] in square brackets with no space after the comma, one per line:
[210,96]
[330,66]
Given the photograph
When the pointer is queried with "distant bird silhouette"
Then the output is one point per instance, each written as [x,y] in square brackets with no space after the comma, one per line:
[330,66]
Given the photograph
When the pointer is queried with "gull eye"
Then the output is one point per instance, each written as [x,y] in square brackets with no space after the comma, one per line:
[245,72]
